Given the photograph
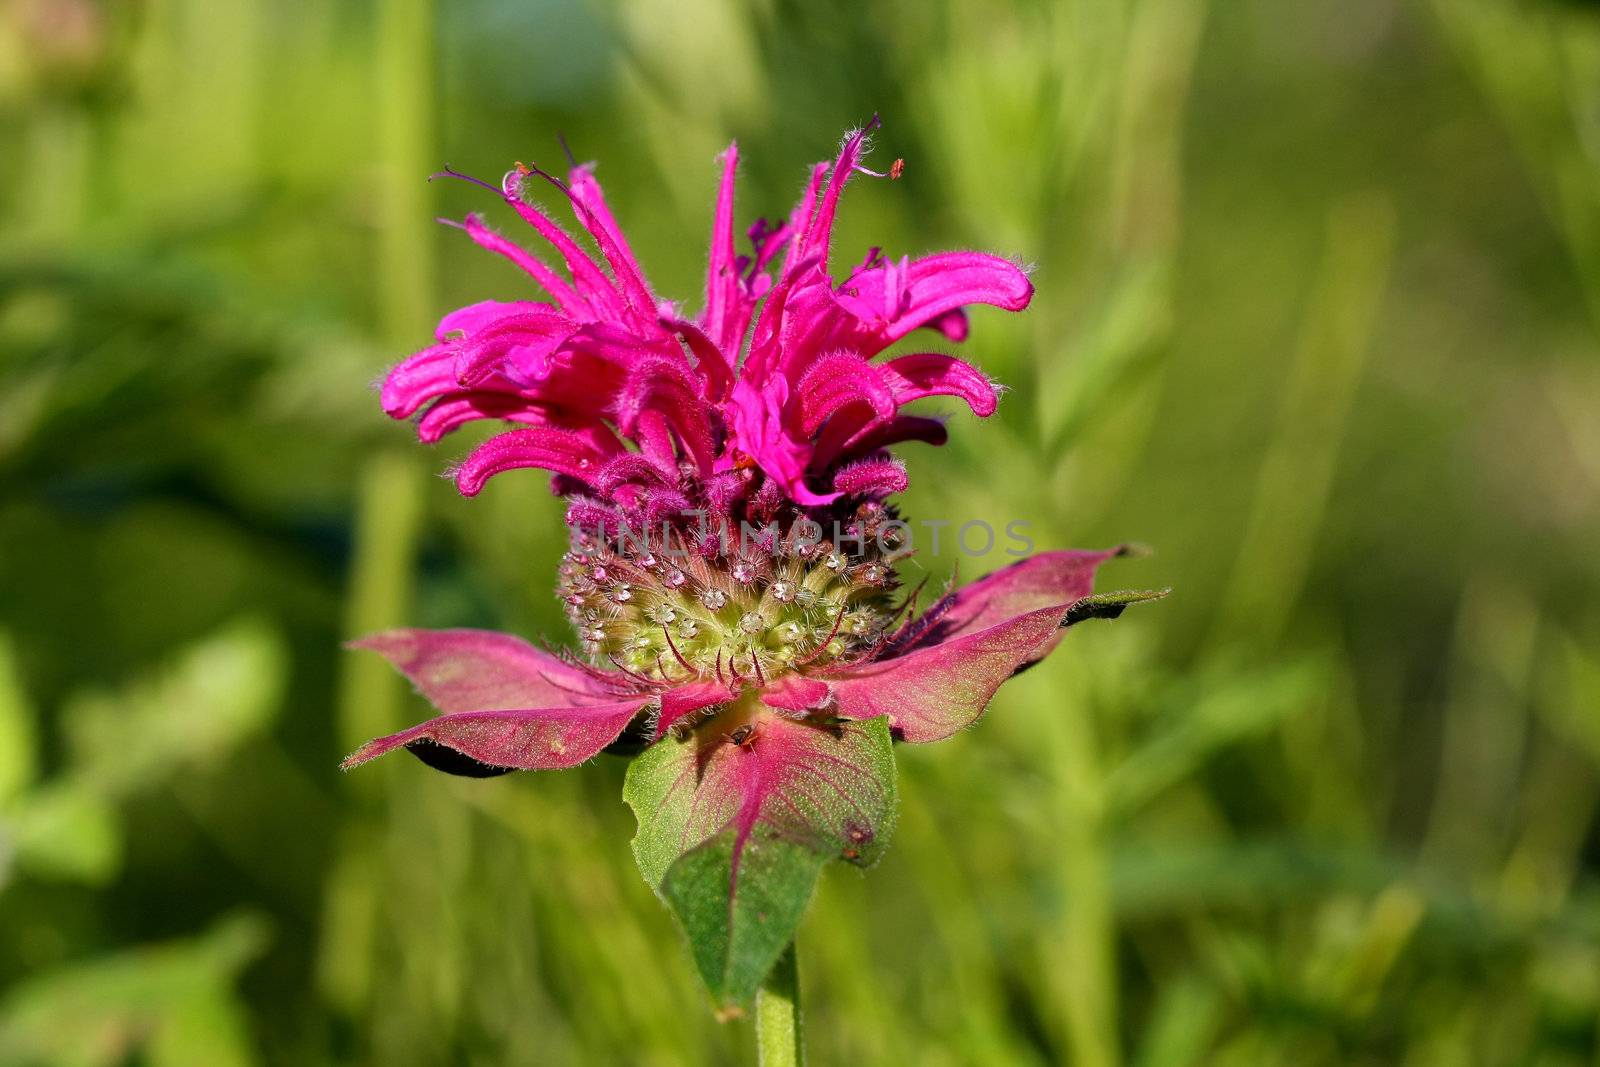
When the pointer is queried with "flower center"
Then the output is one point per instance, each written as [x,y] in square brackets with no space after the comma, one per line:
[766,605]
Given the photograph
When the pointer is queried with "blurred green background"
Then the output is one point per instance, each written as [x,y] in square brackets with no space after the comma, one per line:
[1319,289]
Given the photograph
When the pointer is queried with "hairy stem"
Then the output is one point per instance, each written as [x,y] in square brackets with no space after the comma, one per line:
[779,1037]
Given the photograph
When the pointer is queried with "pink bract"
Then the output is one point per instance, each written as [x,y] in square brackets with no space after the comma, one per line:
[510,705]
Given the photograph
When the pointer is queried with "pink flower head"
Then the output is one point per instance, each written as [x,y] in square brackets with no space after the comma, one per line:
[631,404]
[760,682]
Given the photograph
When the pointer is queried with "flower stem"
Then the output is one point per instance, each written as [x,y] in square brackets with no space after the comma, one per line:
[780,1040]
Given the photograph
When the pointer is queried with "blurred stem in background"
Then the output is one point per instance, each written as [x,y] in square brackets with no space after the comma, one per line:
[389,500]
[1539,66]
[1296,477]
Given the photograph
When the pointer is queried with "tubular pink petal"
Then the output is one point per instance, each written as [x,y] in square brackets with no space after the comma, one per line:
[629,468]
[589,203]
[722,272]
[524,339]
[939,284]
[926,374]
[767,241]
[800,219]
[657,443]
[836,381]
[590,281]
[658,504]
[468,320]
[562,292]
[872,478]
[578,454]
[418,379]
[455,410]
[820,229]
[713,366]
[765,339]
[846,437]
[954,325]
[666,387]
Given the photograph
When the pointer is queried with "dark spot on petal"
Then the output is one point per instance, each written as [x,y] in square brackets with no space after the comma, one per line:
[444,758]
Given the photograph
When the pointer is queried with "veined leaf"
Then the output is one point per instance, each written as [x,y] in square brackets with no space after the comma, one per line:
[737,820]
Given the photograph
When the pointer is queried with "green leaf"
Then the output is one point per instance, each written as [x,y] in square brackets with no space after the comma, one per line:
[163,1004]
[191,712]
[68,831]
[733,836]
[738,922]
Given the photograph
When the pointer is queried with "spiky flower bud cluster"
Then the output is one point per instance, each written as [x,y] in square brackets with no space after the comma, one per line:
[792,594]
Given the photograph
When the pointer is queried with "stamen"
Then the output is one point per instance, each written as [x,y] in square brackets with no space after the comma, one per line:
[674,646]
[572,161]
[617,663]
[448,172]
[820,649]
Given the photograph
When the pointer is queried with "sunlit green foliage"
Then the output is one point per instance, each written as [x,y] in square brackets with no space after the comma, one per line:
[1317,320]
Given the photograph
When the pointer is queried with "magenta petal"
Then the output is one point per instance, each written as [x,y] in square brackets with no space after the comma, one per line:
[535,739]
[722,272]
[845,438]
[668,390]
[590,281]
[630,468]
[820,230]
[898,301]
[926,374]
[577,453]
[942,283]
[564,295]
[800,219]
[522,339]
[593,211]
[953,324]
[872,477]
[453,411]
[836,381]
[709,359]
[474,317]
[417,379]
